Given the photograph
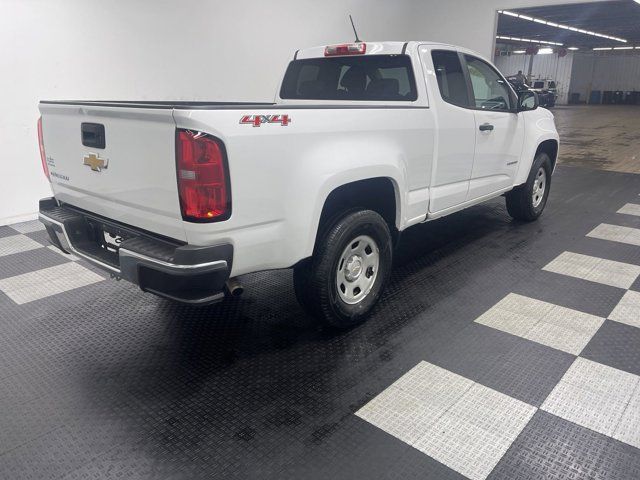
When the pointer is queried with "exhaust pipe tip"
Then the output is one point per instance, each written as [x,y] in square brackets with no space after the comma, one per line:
[234,287]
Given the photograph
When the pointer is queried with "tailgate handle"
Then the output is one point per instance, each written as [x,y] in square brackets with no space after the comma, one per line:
[93,135]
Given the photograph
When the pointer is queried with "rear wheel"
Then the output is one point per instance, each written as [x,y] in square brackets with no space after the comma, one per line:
[527,201]
[346,275]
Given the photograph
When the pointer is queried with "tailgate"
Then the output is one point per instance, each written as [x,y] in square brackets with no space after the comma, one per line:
[115,161]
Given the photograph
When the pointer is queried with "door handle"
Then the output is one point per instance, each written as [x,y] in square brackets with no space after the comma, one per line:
[486,127]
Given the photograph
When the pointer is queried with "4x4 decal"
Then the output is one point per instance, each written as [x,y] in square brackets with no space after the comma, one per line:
[257,120]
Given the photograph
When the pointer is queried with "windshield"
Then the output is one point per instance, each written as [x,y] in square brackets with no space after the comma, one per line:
[367,77]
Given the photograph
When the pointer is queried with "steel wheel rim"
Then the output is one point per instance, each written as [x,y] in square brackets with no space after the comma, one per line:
[357,269]
[539,187]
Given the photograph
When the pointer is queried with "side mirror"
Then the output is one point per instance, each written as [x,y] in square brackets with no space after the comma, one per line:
[527,100]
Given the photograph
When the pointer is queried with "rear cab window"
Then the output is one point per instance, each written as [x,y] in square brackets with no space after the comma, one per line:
[358,78]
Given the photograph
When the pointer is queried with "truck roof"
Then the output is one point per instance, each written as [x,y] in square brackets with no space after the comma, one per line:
[375,48]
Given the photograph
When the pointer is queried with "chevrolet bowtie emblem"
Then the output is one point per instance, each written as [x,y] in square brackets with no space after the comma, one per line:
[96,163]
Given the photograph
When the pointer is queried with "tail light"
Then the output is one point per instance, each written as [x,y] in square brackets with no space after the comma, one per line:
[43,156]
[203,177]
[345,49]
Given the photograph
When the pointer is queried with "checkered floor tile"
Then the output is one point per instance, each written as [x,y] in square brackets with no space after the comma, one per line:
[17,244]
[493,355]
[594,269]
[552,325]
[68,256]
[44,270]
[630,209]
[28,227]
[462,423]
[616,233]
[628,310]
[454,420]
[600,398]
[46,282]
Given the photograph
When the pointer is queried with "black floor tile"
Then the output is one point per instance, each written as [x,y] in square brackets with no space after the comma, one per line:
[37,259]
[617,345]
[40,236]
[6,231]
[551,448]
[619,462]
[575,293]
[528,372]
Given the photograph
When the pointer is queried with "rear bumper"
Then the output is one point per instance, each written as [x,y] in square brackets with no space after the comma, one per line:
[184,273]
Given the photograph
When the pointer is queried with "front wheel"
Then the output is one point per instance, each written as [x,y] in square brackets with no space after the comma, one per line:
[527,201]
[347,273]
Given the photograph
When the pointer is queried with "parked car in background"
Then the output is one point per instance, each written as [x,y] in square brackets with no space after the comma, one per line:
[547,92]
[546,95]
[363,141]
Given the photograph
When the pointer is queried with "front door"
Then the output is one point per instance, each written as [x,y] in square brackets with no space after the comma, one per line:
[499,131]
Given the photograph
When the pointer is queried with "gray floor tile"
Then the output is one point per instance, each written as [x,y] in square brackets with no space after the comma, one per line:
[435,386]
[400,414]
[594,410]
[17,244]
[628,310]
[46,282]
[552,325]
[475,433]
[28,227]
[607,272]
[592,395]
[453,420]
[414,401]
[628,428]
[630,209]
[616,233]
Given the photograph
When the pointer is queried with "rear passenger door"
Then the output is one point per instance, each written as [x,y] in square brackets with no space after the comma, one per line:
[499,131]
[456,129]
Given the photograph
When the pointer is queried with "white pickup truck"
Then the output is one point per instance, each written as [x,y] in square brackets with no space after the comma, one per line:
[363,141]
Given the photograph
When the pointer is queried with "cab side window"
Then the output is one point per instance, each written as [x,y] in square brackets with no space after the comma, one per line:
[490,91]
[451,81]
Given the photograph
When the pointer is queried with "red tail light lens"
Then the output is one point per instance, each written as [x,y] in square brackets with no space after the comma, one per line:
[345,49]
[43,156]
[203,180]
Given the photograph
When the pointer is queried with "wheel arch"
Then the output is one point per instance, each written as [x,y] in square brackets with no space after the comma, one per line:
[547,143]
[380,194]
[550,147]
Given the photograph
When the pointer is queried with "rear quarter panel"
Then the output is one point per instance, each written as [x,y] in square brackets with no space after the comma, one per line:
[281,175]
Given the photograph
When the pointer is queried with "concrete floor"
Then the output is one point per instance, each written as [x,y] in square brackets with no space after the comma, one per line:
[606,137]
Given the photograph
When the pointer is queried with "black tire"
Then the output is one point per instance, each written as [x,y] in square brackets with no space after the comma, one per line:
[520,201]
[315,282]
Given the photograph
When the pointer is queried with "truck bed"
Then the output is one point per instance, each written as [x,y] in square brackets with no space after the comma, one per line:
[174,105]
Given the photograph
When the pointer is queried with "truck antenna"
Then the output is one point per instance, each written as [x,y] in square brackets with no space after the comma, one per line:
[354,30]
